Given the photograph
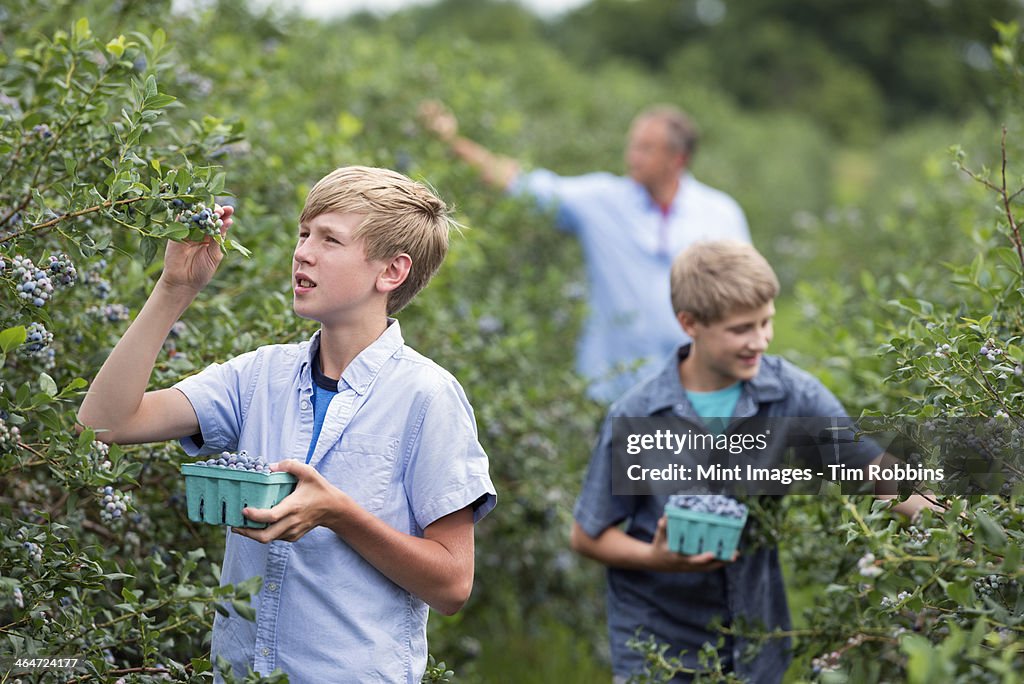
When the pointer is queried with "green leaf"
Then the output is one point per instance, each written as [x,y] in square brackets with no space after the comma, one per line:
[960,592]
[147,249]
[12,338]
[237,247]
[920,656]
[81,31]
[73,386]
[244,609]
[159,40]
[991,533]
[85,438]
[116,47]
[200,665]
[177,231]
[216,184]
[159,101]
[1011,559]
[1009,257]
[47,384]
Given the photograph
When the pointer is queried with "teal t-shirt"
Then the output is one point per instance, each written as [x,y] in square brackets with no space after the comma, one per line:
[715,408]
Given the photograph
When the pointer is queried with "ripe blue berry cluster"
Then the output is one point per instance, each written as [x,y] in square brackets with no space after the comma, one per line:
[114,504]
[35,552]
[34,284]
[826,663]
[240,461]
[867,566]
[198,216]
[9,436]
[994,586]
[19,598]
[43,131]
[93,277]
[111,313]
[716,504]
[62,270]
[917,538]
[990,351]
[173,335]
[889,602]
[37,338]
[101,456]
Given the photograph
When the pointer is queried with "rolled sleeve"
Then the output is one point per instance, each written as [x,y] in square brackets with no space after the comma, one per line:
[565,195]
[597,508]
[219,395]
[448,469]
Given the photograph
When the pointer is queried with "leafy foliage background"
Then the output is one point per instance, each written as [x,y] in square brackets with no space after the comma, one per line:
[822,122]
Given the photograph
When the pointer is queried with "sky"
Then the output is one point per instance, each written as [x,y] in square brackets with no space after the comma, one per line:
[331,8]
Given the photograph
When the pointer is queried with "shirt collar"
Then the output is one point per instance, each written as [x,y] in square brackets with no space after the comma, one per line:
[665,391]
[686,187]
[363,370]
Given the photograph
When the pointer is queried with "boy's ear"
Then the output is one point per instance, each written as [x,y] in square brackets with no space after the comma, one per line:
[395,273]
[688,321]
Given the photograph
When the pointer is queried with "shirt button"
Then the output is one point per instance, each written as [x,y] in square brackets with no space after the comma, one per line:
[304,405]
[272,586]
[265,651]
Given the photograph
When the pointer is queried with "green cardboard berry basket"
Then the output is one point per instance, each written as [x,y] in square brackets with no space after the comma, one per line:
[692,532]
[217,495]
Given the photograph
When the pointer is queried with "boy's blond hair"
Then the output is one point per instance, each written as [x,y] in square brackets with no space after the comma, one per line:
[710,280]
[400,216]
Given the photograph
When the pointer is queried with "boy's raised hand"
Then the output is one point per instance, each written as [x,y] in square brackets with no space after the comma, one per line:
[190,265]
[667,560]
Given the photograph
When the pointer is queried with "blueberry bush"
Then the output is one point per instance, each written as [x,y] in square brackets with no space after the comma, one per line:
[121,125]
[94,179]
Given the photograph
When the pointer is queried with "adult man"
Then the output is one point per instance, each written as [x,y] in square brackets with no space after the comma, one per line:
[630,228]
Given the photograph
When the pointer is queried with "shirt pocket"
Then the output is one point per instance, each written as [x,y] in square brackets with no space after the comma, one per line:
[363,466]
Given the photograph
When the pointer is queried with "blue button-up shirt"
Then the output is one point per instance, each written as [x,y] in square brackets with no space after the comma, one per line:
[628,246]
[677,607]
[400,438]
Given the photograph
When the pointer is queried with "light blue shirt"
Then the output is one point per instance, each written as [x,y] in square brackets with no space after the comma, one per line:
[628,246]
[400,438]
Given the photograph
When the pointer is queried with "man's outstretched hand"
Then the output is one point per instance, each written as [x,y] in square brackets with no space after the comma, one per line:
[436,118]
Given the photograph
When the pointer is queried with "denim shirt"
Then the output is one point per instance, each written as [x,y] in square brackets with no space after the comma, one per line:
[400,438]
[677,607]
[628,245]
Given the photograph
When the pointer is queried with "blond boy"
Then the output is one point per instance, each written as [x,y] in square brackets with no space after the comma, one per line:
[723,294]
[391,477]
